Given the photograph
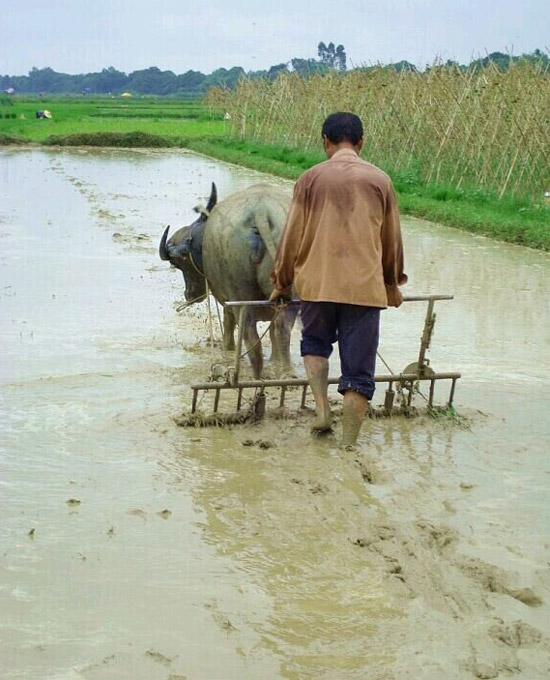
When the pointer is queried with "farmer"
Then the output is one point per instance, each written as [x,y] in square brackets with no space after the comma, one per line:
[342,249]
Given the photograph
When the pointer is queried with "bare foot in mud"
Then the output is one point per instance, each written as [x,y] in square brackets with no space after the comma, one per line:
[322,422]
[354,448]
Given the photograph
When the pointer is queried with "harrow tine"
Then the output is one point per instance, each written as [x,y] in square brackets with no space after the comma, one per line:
[432,389]
[452,394]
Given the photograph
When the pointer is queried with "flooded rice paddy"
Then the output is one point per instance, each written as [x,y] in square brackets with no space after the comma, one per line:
[133,549]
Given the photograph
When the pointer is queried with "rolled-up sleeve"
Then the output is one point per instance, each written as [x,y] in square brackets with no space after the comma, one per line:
[392,251]
[289,245]
[392,244]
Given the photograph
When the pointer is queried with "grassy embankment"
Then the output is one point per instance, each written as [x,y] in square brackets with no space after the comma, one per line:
[470,149]
[194,125]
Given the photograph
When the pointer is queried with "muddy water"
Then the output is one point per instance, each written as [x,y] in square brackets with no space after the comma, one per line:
[131,548]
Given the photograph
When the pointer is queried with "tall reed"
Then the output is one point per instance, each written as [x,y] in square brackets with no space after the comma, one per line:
[475,128]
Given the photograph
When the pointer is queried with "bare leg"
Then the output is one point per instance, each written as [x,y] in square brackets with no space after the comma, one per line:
[354,408]
[317,373]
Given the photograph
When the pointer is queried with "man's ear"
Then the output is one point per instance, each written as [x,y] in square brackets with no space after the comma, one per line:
[359,145]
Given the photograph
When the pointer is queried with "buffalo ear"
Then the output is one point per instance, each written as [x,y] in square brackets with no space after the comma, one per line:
[213,198]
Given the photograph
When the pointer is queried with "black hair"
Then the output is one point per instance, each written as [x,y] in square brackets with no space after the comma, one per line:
[343,127]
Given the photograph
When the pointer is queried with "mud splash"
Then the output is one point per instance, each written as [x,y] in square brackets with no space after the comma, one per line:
[133,548]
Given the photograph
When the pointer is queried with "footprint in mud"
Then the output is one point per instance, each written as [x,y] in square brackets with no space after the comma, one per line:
[367,472]
[138,512]
[370,472]
[485,672]
[104,662]
[158,657]
[517,634]
[261,443]
[132,240]
[312,486]
[495,580]
[224,622]
[221,619]
[466,486]
[436,537]
[317,487]
[382,540]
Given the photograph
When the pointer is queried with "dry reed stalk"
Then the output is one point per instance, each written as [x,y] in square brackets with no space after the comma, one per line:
[480,128]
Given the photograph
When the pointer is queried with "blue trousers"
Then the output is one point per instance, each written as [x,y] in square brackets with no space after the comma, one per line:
[356,328]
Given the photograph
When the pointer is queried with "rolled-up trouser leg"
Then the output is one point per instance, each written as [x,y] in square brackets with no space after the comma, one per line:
[358,333]
[319,328]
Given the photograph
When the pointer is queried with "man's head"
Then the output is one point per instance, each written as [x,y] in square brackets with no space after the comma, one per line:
[341,130]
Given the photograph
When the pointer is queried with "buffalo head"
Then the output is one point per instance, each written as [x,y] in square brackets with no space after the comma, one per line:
[184,251]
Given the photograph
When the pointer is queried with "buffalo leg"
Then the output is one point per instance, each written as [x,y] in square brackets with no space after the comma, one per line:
[280,332]
[253,345]
[229,323]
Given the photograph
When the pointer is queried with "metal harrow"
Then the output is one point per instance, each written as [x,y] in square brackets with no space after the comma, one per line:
[406,383]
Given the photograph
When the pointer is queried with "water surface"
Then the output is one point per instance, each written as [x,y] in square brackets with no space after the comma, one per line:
[132,548]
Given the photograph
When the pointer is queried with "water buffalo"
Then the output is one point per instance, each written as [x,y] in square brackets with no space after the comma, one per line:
[231,245]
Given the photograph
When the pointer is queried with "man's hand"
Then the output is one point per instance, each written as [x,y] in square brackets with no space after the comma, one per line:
[280,296]
[394,295]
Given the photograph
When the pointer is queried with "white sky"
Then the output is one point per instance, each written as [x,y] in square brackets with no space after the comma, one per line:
[79,36]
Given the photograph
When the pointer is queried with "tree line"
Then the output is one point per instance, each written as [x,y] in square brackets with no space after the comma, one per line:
[153,81]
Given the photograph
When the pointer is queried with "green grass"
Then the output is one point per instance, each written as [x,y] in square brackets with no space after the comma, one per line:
[289,163]
[188,124]
[74,116]
[518,221]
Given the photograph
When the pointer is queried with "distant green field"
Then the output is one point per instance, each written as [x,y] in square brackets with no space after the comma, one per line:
[74,116]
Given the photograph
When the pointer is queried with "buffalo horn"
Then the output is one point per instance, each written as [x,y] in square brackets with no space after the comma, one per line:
[163,250]
[213,198]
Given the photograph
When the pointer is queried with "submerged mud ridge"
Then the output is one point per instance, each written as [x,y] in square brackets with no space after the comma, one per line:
[132,547]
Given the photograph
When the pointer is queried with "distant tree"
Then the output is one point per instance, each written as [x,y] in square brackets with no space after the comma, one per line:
[332,57]
[275,70]
[193,83]
[323,53]
[42,80]
[308,67]
[256,75]
[402,66]
[223,77]
[340,62]
[152,81]
[109,80]
[190,83]
[536,57]
[497,58]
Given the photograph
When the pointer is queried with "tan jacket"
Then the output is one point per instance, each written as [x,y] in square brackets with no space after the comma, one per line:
[342,239]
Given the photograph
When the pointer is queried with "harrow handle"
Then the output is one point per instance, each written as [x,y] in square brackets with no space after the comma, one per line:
[271,303]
